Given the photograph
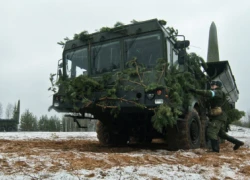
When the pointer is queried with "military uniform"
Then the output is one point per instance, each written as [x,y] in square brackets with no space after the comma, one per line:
[217,118]
[216,99]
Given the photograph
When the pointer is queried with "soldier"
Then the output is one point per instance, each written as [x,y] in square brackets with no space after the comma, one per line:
[217,116]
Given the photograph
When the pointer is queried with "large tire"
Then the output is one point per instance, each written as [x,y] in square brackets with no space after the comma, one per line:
[186,134]
[107,136]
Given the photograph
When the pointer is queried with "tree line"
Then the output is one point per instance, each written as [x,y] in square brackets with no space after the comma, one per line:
[29,122]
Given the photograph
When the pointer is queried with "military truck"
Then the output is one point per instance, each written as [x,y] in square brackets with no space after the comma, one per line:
[8,125]
[134,79]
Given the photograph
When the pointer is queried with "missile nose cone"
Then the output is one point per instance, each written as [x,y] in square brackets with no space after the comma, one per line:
[212,24]
[213,48]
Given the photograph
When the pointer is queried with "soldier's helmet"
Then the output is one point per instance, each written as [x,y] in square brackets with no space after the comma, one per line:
[217,83]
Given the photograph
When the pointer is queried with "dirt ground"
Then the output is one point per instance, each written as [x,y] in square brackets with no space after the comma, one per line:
[35,155]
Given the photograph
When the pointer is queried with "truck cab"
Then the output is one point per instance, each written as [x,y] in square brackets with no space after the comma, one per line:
[110,52]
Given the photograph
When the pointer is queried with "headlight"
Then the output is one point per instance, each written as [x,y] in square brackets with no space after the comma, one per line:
[150,96]
[56,104]
[158,101]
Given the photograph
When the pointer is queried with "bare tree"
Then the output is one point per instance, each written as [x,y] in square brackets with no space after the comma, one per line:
[1,110]
[9,111]
[247,120]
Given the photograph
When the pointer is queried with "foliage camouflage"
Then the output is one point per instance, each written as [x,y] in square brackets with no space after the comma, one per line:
[177,83]
[81,88]
[84,35]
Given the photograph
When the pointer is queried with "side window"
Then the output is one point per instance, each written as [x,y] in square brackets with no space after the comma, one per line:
[170,52]
[175,57]
[76,63]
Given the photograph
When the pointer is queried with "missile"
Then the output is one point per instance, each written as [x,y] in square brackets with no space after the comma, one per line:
[213,48]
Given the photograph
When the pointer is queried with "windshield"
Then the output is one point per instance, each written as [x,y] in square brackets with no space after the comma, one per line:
[106,57]
[76,63]
[147,49]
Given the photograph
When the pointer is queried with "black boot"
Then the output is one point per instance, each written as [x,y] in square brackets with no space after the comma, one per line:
[215,145]
[237,146]
[237,143]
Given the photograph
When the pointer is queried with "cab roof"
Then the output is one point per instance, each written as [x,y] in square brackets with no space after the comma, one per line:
[116,33]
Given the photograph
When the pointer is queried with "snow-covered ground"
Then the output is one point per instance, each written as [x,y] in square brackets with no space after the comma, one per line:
[78,155]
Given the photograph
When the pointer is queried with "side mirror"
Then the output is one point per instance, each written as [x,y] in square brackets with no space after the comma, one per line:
[60,73]
[182,56]
[60,65]
[181,44]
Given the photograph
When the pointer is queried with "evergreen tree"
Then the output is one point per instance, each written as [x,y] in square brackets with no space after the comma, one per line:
[54,123]
[28,121]
[49,124]
[35,125]
[43,123]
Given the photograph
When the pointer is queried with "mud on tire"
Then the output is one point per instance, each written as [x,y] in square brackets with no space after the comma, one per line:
[186,134]
[106,136]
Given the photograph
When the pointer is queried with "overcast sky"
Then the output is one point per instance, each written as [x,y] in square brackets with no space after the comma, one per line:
[30,30]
